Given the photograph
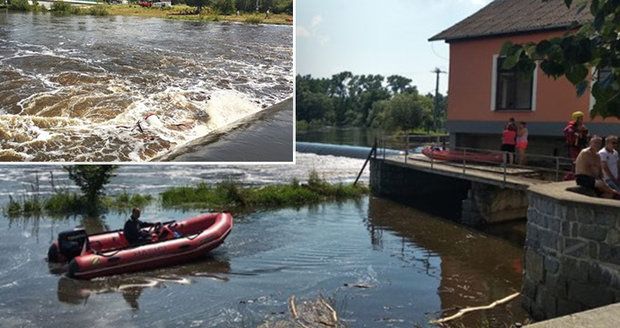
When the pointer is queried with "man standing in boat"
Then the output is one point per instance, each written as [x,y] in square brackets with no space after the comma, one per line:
[132,230]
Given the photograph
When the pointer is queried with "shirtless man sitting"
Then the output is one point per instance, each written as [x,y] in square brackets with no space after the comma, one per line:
[588,170]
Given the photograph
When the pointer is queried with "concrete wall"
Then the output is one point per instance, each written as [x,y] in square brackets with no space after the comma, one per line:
[572,252]
[467,202]
[402,183]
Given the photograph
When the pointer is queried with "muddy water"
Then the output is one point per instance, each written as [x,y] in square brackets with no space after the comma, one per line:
[73,88]
[380,263]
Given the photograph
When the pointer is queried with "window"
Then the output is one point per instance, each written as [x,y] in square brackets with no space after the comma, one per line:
[512,90]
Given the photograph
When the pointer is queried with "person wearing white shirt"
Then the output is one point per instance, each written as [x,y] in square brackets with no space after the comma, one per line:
[610,163]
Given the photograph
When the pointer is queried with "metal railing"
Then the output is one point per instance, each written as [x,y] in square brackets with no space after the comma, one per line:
[540,167]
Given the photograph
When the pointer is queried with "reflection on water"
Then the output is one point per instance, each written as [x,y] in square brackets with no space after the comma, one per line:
[379,262]
[73,88]
[72,291]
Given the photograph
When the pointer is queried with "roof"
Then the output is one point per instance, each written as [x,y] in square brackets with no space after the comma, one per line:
[515,16]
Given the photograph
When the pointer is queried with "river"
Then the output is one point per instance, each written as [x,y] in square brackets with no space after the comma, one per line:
[379,263]
[72,88]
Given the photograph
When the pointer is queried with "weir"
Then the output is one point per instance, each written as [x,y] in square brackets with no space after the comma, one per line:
[572,247]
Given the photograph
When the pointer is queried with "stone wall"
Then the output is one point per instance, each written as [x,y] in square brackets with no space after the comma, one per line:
[487,203]
[402,183]
[572,252]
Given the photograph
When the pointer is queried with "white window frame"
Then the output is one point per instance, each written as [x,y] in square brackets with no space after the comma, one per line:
[494,87]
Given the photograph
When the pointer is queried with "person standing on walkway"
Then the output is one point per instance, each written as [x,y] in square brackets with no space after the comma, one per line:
[575,135]
[610,163]
[521,144]
[509,140]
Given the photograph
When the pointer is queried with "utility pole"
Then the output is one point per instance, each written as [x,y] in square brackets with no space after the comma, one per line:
[437,71]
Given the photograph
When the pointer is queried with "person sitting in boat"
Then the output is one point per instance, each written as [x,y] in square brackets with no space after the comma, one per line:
[588,170]
[132,230]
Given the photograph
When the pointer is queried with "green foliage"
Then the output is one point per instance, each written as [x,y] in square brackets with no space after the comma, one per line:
[225,7]
[230,195]
[63,8]
[254,19]
[98,10]
[64,203]
[346,99]
[593,46]
[21,5]
[91,178]
[127,201]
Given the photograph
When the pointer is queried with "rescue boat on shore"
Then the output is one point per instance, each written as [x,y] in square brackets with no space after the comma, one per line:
[460,156]
[109,253]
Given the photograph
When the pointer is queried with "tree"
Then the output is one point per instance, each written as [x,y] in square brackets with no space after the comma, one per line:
[593,47]
[225,7]
[408,111]
[197,3]
[399,84]
[91,179]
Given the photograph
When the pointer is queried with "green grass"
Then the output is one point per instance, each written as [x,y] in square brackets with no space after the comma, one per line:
[69,203]
[63,8]
[97,10]
[230,195]
[254,19]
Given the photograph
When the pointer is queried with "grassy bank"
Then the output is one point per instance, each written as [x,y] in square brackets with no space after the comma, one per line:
[70,203]
[179,12]
[229,195]
[224,196]
[184,12]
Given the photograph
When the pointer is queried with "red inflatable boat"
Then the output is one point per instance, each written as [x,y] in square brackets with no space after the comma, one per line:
[109,253]
[460,156]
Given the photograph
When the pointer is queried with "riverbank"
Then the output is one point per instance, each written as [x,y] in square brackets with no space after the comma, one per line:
[223,196]
[184,12]
[177,12]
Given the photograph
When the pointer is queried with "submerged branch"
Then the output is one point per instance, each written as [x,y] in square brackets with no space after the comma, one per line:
[476,308]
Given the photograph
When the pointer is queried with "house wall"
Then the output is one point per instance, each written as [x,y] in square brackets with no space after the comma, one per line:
[470,90]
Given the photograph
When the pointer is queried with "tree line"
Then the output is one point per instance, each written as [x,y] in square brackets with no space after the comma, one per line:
[229,7]
[346,100]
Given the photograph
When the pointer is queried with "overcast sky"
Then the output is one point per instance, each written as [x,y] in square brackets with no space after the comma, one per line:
[377,37]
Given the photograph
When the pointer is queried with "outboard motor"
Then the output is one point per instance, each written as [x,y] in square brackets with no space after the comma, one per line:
[68,245]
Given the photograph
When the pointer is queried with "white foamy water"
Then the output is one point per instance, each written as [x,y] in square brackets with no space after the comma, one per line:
[87,89]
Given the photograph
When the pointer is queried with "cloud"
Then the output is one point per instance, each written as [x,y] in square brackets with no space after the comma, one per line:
[316,21]
[313,31]
[303,32]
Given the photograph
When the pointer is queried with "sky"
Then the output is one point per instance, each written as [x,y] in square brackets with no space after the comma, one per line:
[377,37]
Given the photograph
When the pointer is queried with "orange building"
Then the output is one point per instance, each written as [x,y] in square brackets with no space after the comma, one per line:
[483,96]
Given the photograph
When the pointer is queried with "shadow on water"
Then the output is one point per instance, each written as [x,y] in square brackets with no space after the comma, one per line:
[476,268]
[131,286]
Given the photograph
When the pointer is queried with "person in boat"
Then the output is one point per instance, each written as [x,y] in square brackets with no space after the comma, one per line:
[588,172]
[521,144]
[509,141]
[610,162]
[132,230]
[575,135]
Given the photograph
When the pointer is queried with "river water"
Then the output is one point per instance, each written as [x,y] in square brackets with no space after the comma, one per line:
[379,263]
[72,88]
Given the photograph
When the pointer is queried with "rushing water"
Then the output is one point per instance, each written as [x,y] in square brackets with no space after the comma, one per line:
[379,263]
[73,88]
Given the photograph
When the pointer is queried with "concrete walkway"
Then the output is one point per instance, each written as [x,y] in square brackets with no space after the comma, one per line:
[603,317]
[488,174]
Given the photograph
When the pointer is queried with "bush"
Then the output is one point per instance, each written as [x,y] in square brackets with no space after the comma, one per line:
[98,10]
[91,178]
[254,19]
[63,8]
[21,5]
[225,7]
